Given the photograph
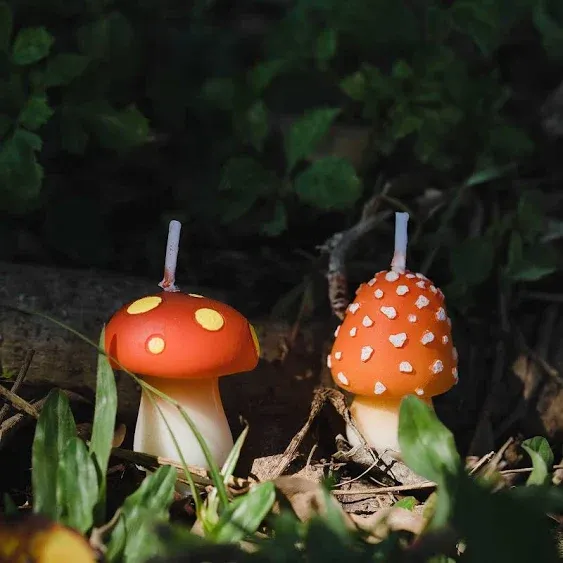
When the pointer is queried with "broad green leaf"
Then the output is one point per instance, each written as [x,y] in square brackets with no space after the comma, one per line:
[262,75]
[78,481]
[55,428]
[277,224]
[407,503]
[35,113]
[253,124]
[354,85]
[329,183]
[529,262]
[31,45]
[325,46]
[63,68]
[427,446]
[488,175]
[542,460]
[118,130]
[243,181]
[243,516]
[134,538]
[6,25]
[306,133]
[472,260]
[104,421]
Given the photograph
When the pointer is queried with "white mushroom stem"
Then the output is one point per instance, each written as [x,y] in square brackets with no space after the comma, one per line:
[201,400]
[399,262]
[377,418]
[170,261]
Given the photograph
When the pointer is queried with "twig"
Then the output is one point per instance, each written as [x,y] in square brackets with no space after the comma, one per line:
[172,245]
[19,403]
[19,380]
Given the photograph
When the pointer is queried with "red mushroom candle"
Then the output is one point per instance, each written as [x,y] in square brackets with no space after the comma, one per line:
[181,344]
[395,340]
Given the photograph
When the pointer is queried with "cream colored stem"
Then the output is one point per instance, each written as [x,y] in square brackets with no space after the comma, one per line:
[201,400]
[377,418]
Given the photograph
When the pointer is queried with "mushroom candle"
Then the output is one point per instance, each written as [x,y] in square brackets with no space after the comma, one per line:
[395,340]
[181,344]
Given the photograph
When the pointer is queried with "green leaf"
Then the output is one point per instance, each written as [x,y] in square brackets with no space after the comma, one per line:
[104,421]
[472,260]
[35,113]
[6,26]
[117,130]
[63,68]
[262,75]
[329,183]
[277,224]
[427,446]
[55,428]
[243,516]
[31,45]
[542,460]
[528,263]
[243,181]
[78,481]
[134,538]
[355,86]
[253,125]
[306,133]
[408,503]
[488,175]
[325,47]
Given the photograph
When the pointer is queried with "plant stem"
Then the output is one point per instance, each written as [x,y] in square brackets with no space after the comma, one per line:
[399,262]
[172,246]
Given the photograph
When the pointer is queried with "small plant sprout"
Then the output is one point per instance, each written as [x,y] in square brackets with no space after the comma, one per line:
[181,344]
[395,340]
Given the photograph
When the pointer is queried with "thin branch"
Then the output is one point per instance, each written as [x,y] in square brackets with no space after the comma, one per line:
[19,380]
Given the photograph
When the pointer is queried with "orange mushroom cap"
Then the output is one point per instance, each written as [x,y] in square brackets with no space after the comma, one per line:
[395,339]
[179,335]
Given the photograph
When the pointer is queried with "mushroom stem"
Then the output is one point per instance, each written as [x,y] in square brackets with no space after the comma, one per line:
[377,418]
[399,262]
[172,246]
[201,400]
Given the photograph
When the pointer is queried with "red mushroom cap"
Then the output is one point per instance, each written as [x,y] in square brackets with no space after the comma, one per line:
[179,335]
[395,339]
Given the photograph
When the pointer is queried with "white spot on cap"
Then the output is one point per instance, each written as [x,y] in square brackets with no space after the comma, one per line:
[342,378]
[420,284]
[328,361]
[366,321]
[421,276]
[405,367]
[353,307]
[379,388]
[419,391]
[454,373]
[371,282]
[449,321]
[445,339]
[402,290]
[353,331]
[454,353]
[410,276]
[437,366]
[366,353]
[433,289]
[441,314]
[412,318]
[337,355]
[389,312]
[378,293]
[391,276]
[427,337]
[359,288]
[336,331]
[398,339]
[422,301]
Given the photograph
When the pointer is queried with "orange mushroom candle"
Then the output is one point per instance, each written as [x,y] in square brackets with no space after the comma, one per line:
[395,340]
[181,344]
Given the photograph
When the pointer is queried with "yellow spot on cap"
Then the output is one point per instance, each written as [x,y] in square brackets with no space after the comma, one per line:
[196,295]
[155,345]
[209,319]
[255,339]
[144,305]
